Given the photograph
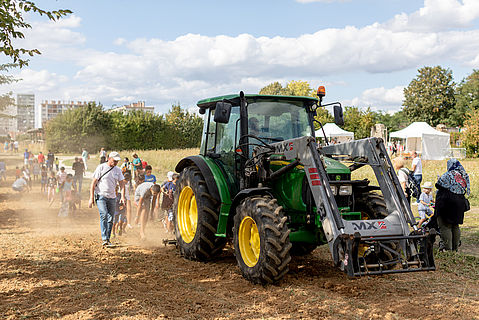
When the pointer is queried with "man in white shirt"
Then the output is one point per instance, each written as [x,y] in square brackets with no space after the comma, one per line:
[103,189]
[417,170]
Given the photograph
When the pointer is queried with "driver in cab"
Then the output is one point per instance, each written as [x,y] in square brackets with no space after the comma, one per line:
[253,126]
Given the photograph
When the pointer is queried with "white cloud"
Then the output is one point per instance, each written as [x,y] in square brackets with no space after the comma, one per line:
[379,98]
[437,15]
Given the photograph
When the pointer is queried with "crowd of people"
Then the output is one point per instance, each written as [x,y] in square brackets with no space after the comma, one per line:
[446,213]
[114,185]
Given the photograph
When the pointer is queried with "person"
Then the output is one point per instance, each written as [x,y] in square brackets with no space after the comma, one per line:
[137,166]
[61,177]
[27,176]
[451,203]
[57,164]
[145,197]
[103,189]
[148,176]
[425,203]
[18,172]
[50,160]
[26,156]
[43,179]
[395,149]
[119,221]
[79,170]
[417,170]
[41,159]
[15,145]
[52,186]
[66,190]
[85,156]
[128,189]
[168,188]
[35,170]
[398,164]
[102,155]
[20,185]
[3,170]
[5,146]
[126,166]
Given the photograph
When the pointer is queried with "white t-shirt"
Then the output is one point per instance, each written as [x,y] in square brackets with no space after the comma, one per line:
[107,185]
[141,191]
[402,176]
[19,183]
[417,161]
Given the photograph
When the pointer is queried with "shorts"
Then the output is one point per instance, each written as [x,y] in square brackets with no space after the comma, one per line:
[44,181]
[116,218]
[170,214]
[424,214]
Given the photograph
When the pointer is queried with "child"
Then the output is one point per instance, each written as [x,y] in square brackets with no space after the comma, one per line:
[36,170]
[425,203]
[119,221]
[168,188]
[128,190]
[52,186]
[18,173]
[148,176]
[27,177]
[67,196]
[44,178]
[57,163]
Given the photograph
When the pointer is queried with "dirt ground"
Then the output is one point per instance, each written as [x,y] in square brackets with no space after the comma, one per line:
[53,267]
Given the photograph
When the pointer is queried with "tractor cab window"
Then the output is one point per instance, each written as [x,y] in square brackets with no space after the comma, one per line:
[278,120]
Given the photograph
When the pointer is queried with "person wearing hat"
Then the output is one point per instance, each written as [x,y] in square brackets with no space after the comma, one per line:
[103,190]
[425,203]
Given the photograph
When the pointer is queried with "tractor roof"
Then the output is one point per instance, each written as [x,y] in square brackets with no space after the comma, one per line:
[234,98]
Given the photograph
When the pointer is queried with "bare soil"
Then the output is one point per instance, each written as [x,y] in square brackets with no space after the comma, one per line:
[53,267]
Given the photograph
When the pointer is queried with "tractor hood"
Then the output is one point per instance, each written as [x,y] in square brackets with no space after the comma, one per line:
[335,167]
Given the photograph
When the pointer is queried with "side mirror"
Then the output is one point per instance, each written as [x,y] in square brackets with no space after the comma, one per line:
[222,112]
[338,115]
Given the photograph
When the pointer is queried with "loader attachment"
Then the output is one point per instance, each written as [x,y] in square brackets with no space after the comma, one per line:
[363,247]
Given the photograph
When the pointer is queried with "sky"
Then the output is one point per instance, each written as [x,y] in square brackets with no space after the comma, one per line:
[365,52]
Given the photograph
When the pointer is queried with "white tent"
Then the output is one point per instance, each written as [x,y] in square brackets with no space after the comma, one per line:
[419,136]
[333,131]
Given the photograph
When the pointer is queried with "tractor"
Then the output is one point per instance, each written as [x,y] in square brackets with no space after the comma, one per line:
[263,183]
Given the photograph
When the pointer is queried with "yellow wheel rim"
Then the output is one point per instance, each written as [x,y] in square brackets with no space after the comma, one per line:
[249,241]
[187,214]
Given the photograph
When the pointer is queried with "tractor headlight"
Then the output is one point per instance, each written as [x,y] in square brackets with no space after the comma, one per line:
[334,190]
[345,190]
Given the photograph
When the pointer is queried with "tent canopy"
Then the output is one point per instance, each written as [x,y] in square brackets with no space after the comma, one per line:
[417,130]
[419,136]
[332,130]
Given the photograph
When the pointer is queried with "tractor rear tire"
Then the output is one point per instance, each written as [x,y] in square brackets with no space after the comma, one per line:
[261,240]
[302,248]
[196,215]
[371,205]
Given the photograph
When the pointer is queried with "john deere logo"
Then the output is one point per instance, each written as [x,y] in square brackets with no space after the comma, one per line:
[338,178]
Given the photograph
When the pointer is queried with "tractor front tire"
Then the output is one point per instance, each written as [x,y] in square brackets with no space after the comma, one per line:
[261,240]
[196,215]
[371,205]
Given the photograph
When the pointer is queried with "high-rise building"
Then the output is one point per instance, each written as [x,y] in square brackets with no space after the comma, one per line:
[50,109]
[25,112]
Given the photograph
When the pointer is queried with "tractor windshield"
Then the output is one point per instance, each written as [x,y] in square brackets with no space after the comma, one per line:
[278,120]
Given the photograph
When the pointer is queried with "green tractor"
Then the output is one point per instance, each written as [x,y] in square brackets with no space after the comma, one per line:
[262,182]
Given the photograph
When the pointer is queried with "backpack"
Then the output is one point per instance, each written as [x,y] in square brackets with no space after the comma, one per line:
[412,186]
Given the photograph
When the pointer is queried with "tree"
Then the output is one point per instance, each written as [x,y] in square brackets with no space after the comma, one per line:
[359,121]
[184,128]
[298,88]
[323,116]
[430,96]
[467,98]
[393,122]
[12,22]
[470,134]
[6,99]
[274,89]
